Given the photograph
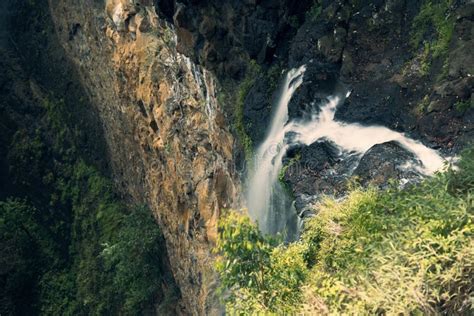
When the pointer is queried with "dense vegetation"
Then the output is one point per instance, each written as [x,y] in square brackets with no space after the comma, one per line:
[433,28]
[69,244]
[399,251]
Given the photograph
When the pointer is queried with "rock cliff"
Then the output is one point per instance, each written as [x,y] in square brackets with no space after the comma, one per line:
[166,135]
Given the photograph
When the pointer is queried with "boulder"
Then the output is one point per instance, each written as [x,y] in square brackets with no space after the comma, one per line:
[386,161]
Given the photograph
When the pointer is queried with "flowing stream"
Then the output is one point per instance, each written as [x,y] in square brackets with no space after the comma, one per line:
[268,201]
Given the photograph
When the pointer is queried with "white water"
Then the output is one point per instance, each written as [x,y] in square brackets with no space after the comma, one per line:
[266,198]
[358,138]
[205,85]
[263,184]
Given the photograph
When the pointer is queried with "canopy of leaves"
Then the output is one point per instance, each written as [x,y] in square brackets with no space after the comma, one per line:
[69,244]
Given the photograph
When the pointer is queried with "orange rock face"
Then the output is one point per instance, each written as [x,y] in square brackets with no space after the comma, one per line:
[165,132]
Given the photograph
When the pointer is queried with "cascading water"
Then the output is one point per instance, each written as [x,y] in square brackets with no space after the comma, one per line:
[268,201]
[358,139]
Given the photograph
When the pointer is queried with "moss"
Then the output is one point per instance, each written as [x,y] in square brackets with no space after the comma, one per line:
[281,175]
[423,105]
[463,106]
[273,77]
[253,71]
[283,170]
[437,16]
[315,11]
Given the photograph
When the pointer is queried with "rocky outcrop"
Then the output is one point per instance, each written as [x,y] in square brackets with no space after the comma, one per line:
[321,169]
[224,35]
[385,162]
[166,135]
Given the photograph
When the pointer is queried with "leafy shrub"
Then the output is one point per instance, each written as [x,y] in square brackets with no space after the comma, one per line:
[54,234]
[463,106]
[397,251]
[135,259]
[260,276]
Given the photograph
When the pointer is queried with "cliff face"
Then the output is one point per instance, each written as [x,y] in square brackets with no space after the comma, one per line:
[166,135]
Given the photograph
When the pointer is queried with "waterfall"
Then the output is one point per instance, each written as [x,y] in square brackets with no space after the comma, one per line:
[268,201]
[358,138]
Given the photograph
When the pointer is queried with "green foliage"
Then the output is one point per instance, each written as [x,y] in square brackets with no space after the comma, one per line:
[315,11]
[261,277]
[19,239]
[282,172]
[251,74]
[70,245]
[463,106]
[462,182]
[135,258]
[273,76]
[25,158]
[405,252]
[434,14]
[399,251]
[423,105]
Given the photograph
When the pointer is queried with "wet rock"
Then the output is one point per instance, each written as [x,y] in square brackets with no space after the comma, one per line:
[439,106]
[324,170]
[331,46]
[257,111]
[304,46]
[304,205]
[386,161]
[320,80]
[314,173]
[317,155]
[373,103]
[347,65]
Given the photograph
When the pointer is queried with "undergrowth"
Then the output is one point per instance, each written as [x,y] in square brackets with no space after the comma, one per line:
[399,251]
[70,245]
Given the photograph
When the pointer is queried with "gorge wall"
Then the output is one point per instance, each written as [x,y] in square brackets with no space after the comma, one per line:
[166,135]
[178,94]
